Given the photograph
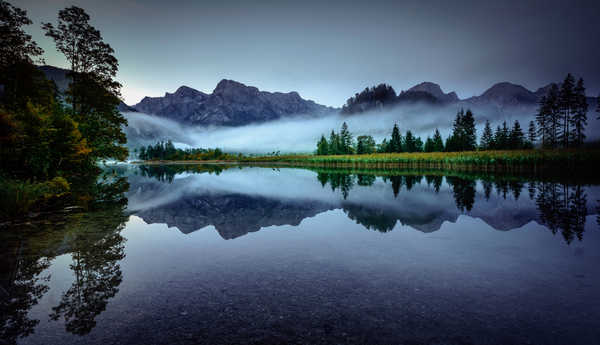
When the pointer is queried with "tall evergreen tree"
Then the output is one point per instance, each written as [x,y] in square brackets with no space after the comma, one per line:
[428,145]
[333,144]
[542,119]
[502,137]
[365,144]
[396,141]
[567,101]
[516,139]
[409,142]
[469,141]
[554,116]
[438,142]
[345,139]
[322,146]
[579,116]
[532,134]
[487,138]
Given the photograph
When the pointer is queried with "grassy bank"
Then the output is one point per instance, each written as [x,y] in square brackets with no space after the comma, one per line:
[471,160]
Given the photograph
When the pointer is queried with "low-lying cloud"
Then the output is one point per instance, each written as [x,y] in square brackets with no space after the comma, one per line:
[300,134]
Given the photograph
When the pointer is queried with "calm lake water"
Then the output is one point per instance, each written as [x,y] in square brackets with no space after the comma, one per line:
[265,255]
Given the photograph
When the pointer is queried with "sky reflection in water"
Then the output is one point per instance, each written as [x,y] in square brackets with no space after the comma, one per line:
[291,255]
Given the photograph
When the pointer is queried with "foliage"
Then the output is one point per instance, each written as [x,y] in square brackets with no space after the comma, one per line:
[167,151]
[15,45]
[42,141]
[369,99]
[562,115]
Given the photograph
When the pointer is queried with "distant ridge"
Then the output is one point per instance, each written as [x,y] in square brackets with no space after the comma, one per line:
[230,104]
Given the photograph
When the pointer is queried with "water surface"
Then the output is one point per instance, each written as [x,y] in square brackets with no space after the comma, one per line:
[267,255]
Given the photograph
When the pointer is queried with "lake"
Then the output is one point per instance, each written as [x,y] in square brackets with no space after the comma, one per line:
[228,254]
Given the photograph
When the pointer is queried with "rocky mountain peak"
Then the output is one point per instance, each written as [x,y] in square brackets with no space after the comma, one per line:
[436,91]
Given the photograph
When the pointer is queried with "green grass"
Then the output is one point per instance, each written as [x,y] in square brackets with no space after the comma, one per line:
[484,160]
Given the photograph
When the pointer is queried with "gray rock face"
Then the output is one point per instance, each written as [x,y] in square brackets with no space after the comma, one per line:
[436,91]
[505,94]
[230,104]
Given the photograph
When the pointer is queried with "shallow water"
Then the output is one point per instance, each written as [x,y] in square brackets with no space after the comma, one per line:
[263,255]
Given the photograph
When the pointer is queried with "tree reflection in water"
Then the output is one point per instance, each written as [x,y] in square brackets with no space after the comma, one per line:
[92,238]
[562,207]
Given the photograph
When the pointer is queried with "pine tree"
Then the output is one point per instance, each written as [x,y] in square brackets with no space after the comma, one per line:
[418,145]
[409,142]
[438,142]
[469,140]
[532,134]
[516,136]
[428,145]
[333,148]
[322,146]
[345,139]
[487,138]
[554,116]
[542,119]
[578,119]
[566,101]
[501,137]
[396,141]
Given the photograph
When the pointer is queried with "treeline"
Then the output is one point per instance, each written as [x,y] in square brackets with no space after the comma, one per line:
[47,139]
[562,114]
[462,138]
[165,150]
[561,122]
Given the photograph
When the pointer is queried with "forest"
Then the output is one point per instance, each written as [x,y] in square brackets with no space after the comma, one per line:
[50,142]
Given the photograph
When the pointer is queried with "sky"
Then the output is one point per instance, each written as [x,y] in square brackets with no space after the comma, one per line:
[329,50]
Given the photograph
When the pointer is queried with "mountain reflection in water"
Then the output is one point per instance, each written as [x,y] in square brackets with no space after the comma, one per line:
[193,197]
[94,276]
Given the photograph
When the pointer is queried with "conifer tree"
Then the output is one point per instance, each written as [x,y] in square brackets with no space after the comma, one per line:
[428,145]
[554,116]
[438,142]
[516,136]
[333,148]
[579,116]
[543,120]
[532,133]
[487,138]
[345,140]
[409,142]
[469,141]
[396,141]
[322,146]
[566,101]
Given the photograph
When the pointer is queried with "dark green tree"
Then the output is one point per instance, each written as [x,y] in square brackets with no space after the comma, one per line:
[16,46]
[322,146]
[516,138]
[395,144]
[566,101]
[365,144]
[578,120]
[409,142]
[428,145]
[345,139]
[438,142]
[487,138]
[532,134]
[333,144]
[93,91]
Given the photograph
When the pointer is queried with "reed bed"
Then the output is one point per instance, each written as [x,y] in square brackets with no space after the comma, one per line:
[472,160]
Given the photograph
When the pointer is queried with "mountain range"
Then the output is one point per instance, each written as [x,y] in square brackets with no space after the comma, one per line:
[234,104]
